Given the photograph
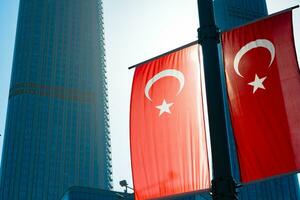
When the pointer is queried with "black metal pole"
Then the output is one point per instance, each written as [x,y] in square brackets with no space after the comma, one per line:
[223,184]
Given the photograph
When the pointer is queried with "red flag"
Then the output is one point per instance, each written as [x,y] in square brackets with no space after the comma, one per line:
[168,142]
[263,83]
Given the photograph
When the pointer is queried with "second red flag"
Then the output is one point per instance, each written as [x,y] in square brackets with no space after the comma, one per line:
[264,95]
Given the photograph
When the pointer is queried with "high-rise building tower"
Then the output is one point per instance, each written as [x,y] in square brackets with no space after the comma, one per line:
[57,132]
[231,13]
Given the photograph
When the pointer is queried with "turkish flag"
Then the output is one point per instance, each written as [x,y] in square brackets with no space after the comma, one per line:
[263,85]
[167,132]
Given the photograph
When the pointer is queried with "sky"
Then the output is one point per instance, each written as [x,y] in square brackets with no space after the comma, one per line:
[135,31]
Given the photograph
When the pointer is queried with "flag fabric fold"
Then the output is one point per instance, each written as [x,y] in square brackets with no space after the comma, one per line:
[263,84]
[167,133]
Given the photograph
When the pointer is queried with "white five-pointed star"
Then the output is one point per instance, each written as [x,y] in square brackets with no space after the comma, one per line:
[164,107]
[257,83]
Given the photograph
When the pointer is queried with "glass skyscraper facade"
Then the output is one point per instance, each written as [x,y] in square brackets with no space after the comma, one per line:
[82,193]
[57,131]
[232,13]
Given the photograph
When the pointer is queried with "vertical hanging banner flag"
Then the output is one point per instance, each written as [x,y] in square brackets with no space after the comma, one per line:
[263,83]
[167,132]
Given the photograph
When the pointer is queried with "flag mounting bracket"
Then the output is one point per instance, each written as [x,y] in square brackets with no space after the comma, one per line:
[208,32]
[224,187]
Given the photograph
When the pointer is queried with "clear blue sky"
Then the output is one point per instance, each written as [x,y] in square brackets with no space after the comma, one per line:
[135,30]
[8,20]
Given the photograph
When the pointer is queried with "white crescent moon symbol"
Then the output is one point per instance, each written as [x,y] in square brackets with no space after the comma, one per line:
[169,72]
[252,45]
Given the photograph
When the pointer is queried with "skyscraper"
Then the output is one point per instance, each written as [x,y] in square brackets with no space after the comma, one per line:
[231,13]
[57,132]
